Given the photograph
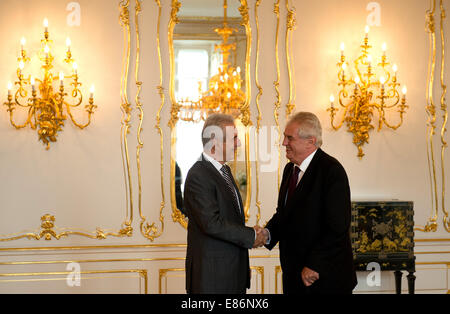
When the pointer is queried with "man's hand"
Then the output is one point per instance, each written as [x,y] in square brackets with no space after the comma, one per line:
[261,236]
[309,276]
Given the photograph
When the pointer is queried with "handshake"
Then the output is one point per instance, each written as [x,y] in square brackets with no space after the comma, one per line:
[262,235]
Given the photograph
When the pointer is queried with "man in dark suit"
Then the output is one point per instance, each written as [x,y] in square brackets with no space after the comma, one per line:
[218,241]
[312,219]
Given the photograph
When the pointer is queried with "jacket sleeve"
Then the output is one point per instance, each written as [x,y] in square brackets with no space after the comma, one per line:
[336,218]
[200,198]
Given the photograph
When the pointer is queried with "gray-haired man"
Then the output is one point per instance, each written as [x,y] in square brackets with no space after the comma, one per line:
[218,241]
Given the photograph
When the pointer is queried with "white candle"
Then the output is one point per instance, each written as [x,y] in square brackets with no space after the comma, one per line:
[357,81]
[22,43]
[9,88]
[61,78]
[46,50]
[32,81]
[21,66]
[342,49]
[404,91]
[68,43]
[75,67]
[366,29]
[46,25]
[382,81]
[383,48]
[344,67]
[92,91]
[331,100]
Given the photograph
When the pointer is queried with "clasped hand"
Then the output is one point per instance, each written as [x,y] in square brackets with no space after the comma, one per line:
[262,235]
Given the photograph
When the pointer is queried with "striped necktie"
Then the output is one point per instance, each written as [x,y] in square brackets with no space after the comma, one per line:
[226,173]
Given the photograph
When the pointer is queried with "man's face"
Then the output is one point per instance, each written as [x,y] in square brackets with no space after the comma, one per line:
[297,148]
[230,142]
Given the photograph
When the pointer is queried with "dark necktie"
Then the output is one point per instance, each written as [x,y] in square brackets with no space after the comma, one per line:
[293,181]
[226,171]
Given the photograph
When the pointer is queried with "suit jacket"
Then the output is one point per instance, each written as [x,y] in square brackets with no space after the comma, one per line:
[218,241]
[313,228]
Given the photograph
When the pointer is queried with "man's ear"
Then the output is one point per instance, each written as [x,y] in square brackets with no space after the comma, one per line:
[312,140]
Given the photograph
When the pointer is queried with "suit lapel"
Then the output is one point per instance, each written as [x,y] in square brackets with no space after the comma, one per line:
[223,185]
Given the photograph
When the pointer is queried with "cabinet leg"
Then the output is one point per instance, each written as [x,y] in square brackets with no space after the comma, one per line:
[411,282]
[398,281]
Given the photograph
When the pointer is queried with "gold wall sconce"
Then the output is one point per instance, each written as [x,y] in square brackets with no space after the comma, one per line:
[46,105]
[371,88]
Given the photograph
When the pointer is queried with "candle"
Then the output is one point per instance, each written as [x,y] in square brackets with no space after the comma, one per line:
[22,43]
[21,66]
[369,60]
[68,43]
[61,78]
[366,29]
[75,67]
[32,82]
[92,91]
[383,48]
[9,88]
[46,25]
[46,50]
[395,68]
[404,91]
[331,100]
[344,67]
[238,69]
[342,49]
[382,81]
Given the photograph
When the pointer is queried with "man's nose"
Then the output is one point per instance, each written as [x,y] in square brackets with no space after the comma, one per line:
[285,141]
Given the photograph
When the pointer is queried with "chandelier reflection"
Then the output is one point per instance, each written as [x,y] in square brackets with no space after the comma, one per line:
[48,106]
[224,92]
[373,88]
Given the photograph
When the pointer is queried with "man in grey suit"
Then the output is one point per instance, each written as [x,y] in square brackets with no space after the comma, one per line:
[218,241]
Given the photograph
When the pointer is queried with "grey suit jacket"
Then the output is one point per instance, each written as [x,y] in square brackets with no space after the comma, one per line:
[218,241]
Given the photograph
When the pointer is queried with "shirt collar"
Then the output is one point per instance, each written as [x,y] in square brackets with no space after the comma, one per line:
[214,162]
[304,165]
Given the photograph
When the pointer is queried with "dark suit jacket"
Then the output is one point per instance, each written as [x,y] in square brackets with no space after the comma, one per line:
[218,241]
[312,228]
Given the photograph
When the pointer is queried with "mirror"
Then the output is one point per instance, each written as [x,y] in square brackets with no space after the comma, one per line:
[209,72]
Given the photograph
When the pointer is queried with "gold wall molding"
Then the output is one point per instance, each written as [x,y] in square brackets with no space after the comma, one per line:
[163,275]
[431,110]
[276,85]
[149,230]
[258,118]
[142,273]
[290,27]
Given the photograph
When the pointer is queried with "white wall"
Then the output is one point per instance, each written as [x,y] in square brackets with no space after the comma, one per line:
[80,180]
